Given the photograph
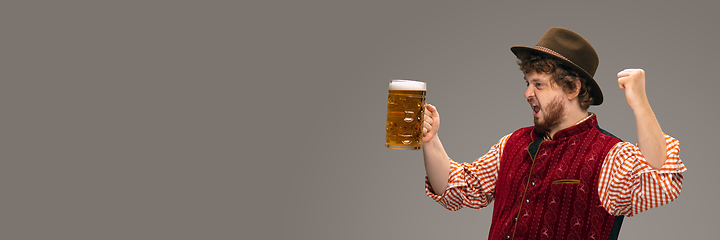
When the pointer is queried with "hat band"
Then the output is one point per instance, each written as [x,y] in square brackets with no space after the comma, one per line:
[550,51]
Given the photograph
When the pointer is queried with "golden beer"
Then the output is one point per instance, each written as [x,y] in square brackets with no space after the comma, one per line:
[406,101]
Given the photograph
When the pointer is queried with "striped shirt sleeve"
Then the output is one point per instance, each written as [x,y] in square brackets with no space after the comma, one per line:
[470,184]
[629,186]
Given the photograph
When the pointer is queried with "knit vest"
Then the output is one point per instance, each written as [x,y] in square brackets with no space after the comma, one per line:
[548,189]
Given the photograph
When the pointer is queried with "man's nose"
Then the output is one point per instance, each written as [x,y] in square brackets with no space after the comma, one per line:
[529,93]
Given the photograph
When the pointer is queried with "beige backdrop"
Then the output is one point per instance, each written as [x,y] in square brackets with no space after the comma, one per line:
[265,119]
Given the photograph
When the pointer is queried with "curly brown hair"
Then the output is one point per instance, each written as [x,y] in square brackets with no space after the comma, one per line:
[562,75]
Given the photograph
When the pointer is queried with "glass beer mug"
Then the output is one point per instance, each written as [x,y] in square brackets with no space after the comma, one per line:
[406,102]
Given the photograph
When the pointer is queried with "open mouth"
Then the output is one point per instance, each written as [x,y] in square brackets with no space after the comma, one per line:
[535,108]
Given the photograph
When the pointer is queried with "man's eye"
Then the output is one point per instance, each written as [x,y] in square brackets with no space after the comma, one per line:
[538,84]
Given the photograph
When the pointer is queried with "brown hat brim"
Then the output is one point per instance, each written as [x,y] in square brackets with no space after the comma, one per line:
[595,92]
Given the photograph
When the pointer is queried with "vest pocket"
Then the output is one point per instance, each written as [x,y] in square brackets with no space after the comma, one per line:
[566,181]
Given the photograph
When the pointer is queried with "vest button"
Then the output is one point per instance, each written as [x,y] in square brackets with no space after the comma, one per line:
[527,200]
[507,237]
[532,184]
[515,219]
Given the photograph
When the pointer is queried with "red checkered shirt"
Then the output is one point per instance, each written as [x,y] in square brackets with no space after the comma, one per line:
[628,185]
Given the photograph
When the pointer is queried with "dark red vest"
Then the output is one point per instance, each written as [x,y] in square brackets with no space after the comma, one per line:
[549,189]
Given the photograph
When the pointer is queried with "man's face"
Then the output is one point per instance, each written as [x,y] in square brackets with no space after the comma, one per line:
[546,99]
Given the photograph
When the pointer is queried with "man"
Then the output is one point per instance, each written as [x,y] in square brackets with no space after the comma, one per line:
[564,178]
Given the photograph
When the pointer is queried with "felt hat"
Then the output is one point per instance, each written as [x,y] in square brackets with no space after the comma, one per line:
[573,51]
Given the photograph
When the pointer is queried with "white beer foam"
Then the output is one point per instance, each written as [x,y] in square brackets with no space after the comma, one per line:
[407,85]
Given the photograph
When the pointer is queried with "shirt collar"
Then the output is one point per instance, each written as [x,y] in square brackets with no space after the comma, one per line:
[583,125]
[586,118]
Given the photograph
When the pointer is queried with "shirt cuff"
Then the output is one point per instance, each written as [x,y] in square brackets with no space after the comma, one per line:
[430,193]
[672,164]
[455,171]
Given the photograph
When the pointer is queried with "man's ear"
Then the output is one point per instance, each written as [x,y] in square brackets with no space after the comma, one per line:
[574,93]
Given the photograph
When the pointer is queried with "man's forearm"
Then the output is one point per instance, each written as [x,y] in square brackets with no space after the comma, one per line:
[651,139]
[437,164]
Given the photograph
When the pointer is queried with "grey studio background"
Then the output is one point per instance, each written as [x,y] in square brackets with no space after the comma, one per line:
[265,119]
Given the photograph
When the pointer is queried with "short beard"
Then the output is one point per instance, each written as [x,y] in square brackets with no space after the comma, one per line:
[552,115]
